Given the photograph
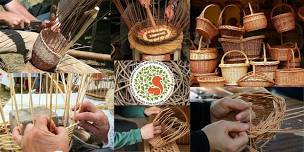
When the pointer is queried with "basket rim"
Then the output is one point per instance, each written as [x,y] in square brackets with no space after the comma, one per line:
[206,21]
[230,27]
[204,50]
[211,79]
[290,70]
[282,15]
[254,14]
[237,40]
[275,62]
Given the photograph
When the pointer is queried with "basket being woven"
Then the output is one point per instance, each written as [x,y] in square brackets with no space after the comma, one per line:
[254,21]
[43,56]
[233,72]
[204,26]
[171,147]
[283,22]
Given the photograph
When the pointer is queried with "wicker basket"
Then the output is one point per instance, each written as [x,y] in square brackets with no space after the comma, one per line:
[283,22]
[228,30]
[254,21]
[251,46]
[233,72]
[294,63]
[301,13]
[42,55]
[162,57]
[267,67]
[204,26]
[281,52]
[172,147]
[211,81]
[255,79]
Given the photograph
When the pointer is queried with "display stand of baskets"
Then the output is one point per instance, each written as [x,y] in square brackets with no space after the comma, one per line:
[251,46]
[204,26]
[265,66]
[233,72]
[229,30]
[254,21]
[211,81]
[301,13]
[203,60]
[283,22]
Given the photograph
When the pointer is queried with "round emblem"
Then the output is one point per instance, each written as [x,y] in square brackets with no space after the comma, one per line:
[152,83]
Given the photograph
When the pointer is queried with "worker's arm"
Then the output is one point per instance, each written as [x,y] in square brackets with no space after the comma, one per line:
[15,7]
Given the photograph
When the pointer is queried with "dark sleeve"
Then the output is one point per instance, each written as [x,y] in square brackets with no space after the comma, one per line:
[200,117]
[4,2]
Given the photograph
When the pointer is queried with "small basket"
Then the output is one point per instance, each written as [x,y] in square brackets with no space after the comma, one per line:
[255,79]
[228,30]
[294,63]
[233,72]
[42,55]
[281,52]
[301,13]
[251,46]
[204,26]
[265,66]
[254,21]
[211,81]
[283,22]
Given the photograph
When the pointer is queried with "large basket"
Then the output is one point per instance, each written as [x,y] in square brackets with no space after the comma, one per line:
[211,81]
[228,30]
[267,67]
[301,13]
[251,46]
[204,26]
[281,52]
[233,72]
[254,21]
[43,56]
[283,22]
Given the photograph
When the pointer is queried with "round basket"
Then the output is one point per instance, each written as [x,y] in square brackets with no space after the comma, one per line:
[301,13]
[204,26]
[233,72]
[228,30]
[281,52]
[42,55]
[254,21]
[211,81]
[251,46]
[267,67]
[296,62]
[283,22]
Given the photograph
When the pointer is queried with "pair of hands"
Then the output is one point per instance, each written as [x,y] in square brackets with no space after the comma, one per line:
[229,119]
[45,136]
[150,130]
[169,12]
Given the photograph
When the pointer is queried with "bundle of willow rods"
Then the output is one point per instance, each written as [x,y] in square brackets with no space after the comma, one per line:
[122,80]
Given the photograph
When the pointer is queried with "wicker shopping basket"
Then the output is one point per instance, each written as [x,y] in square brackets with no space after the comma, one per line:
[233,72]
[294,63]
[281,52]
[283,22]
[254,21]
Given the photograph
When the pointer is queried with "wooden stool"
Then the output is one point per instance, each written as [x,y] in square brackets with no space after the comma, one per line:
[171,47]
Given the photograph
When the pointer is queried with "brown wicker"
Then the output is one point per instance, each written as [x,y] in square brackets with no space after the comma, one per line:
[267,67]
[233,72]
[254,21]
[204,26]
[283,22]
[294,63]
[281,52]
[162,57]
[211,81]
[171,147]
[251,46]
[42,56]
[255,79]
[301,13]
[228,30]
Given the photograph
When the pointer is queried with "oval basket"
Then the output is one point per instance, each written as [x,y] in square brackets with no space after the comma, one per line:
[283,22]
[228,30]
[204,26]
[42,55]
[254,21]
[211,81]
[233,72]
[265,66]
[251,46]
[296,63]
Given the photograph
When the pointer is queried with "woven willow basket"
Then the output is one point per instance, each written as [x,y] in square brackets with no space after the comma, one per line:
[171,147]
[255,79]
[294,63]
[254,21]
[211,81]
[233,72]
[281,52]
[283,22]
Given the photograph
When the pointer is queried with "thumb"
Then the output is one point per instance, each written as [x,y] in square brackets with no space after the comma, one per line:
[238,104]
[242,140]
[236,126]
[61,131]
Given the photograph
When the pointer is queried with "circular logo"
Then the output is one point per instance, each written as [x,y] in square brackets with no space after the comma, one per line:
[152,83]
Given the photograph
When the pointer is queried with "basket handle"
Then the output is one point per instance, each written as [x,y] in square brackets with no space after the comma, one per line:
[293,59]
[279,5]
[235,51]
[264,53]
[208,6]
[200,43]
[220,21]
[250,8]
[298,50]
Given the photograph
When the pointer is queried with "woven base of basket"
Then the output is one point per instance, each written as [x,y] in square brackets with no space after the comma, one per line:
[211,81]
[157,141]
[290,77]
[203,66]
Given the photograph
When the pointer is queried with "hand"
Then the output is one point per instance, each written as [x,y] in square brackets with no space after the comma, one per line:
[144,3]
[152,110]
[227,136]
[149,131]
[231,109]
[93,121]
[14,21]
[169,12]
[52,24]
[42,136]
